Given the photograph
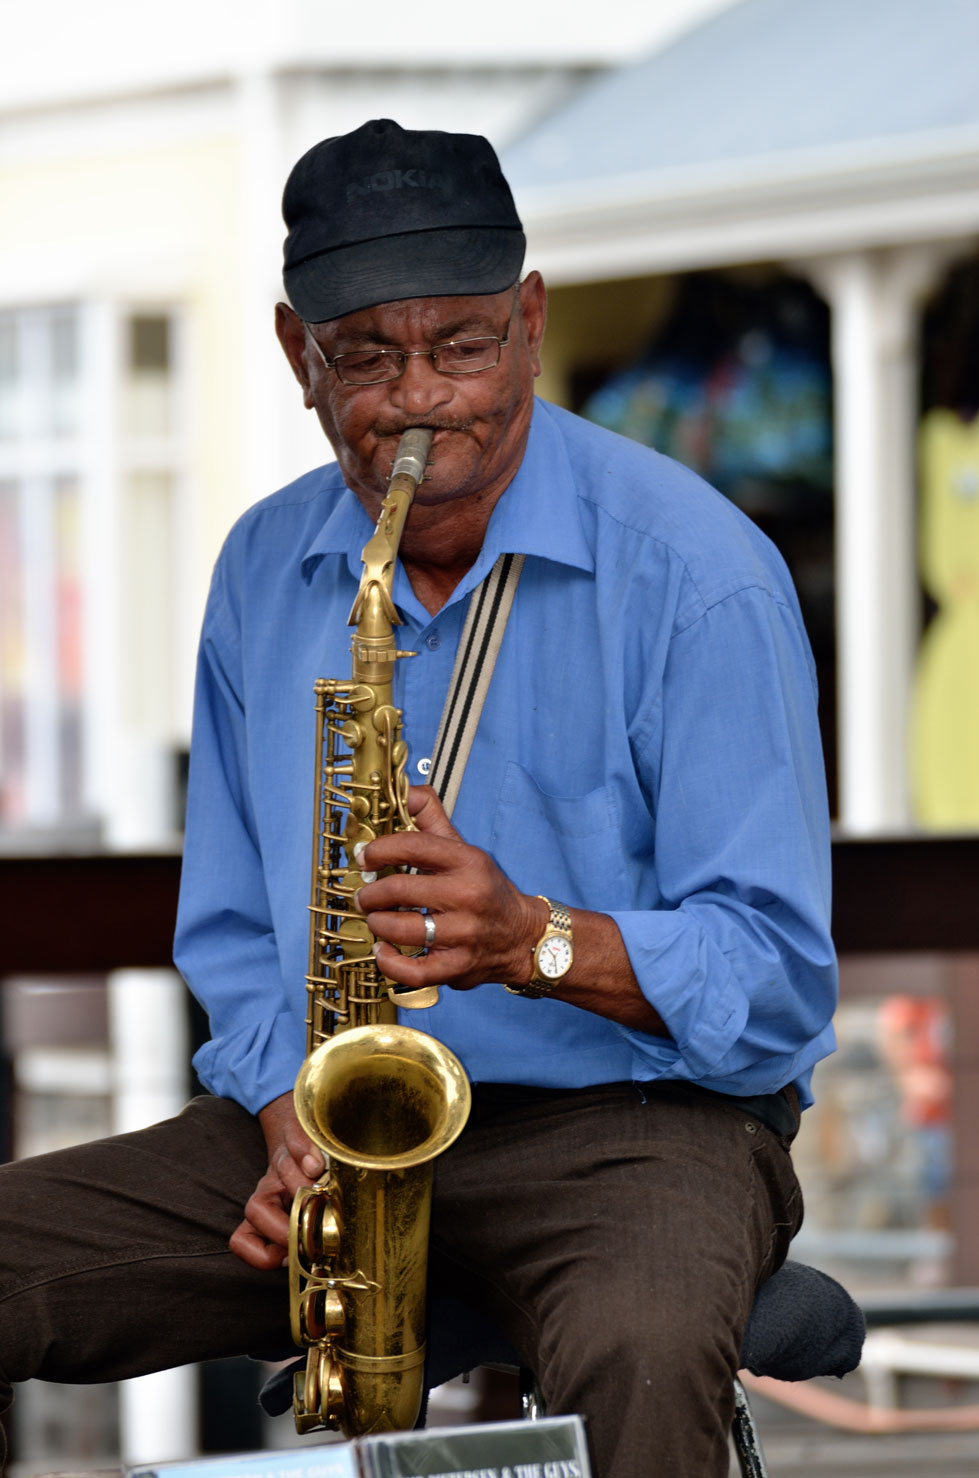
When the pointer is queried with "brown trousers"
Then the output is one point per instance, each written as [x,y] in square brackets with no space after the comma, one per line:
[615,1234]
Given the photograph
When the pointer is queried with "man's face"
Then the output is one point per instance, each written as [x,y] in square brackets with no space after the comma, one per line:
[480,420]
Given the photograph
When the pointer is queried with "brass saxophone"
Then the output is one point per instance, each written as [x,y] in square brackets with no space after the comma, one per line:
[380,1100]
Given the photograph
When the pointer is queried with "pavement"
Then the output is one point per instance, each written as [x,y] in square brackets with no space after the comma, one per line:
[795,1447]
[816,1454]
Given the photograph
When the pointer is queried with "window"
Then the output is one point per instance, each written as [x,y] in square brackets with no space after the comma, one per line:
[88,478]
[40,599]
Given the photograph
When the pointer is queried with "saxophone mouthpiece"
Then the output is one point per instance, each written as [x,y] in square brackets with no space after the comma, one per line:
[412,453]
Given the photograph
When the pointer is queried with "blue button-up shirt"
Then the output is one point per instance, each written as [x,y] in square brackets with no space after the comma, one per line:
[648,749]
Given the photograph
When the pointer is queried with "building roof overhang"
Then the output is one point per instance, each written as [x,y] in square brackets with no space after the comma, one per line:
[772,207]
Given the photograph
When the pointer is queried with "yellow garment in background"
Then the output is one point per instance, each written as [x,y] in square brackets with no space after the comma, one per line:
[945,713]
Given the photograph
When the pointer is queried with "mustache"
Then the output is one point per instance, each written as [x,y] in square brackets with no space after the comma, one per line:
[383,431]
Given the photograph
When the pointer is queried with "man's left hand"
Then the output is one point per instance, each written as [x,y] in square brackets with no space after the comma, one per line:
[262,1237]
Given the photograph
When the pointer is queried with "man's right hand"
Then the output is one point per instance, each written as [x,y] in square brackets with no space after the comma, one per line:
[262,1239]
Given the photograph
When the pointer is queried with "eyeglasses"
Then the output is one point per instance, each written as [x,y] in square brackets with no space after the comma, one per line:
[456,357]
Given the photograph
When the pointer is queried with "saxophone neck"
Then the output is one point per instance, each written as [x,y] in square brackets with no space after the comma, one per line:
[374,649]
[374,602]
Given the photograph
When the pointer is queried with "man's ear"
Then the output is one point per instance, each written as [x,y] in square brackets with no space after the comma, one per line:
[533,307]
[291,333]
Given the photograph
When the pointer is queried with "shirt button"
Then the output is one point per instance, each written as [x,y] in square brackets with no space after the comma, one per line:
[424,765]
[433,641]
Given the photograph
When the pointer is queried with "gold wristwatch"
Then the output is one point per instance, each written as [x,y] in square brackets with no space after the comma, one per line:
[552,954]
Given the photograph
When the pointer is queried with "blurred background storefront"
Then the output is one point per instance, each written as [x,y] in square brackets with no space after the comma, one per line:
[759,221]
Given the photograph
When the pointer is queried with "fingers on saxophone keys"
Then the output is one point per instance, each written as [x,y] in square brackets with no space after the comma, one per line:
[425,850]
[407,927]
[397,890]
[359,850]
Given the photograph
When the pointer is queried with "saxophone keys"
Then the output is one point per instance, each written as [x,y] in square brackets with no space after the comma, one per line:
[365,873]
[317,1393]
[321,1316]
[319,1230]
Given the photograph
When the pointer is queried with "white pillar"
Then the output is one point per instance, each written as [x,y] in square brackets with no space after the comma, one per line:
[874,297]
[100,555]
[148,1036]
[128,596]
[261,234]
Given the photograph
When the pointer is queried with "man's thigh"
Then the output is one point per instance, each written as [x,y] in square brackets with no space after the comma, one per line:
[116,1253]
[619,1236]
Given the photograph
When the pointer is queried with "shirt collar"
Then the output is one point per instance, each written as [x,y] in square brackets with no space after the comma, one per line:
[345,530]
[537,515]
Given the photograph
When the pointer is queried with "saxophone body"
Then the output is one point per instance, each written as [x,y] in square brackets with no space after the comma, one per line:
[380,1100]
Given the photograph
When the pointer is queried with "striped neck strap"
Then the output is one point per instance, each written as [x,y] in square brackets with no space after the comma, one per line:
[489,607]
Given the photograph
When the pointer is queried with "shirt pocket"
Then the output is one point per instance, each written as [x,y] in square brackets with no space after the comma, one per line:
[566,846]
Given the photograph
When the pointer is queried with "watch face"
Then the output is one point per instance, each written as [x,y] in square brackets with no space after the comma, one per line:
[554,956]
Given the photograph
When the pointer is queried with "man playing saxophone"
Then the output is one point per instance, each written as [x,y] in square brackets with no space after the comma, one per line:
[628,911]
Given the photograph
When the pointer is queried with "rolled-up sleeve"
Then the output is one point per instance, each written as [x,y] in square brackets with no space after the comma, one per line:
[225,944]
[737,957]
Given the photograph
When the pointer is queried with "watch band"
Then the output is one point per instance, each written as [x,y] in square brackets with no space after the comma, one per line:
[558,925]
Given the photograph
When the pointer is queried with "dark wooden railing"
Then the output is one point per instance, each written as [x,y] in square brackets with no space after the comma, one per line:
[100,912]
[88,914]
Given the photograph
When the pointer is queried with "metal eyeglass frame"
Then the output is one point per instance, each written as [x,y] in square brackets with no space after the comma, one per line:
[403,355]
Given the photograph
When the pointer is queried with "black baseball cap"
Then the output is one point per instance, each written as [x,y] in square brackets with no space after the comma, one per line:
[385,213]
